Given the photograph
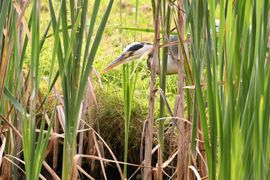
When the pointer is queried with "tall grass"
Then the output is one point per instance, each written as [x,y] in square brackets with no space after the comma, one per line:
[130,75]
[225,100]
[21,118]
[129,82]
[232,110]
[75,55]
[75,65]
[235,122]
[165,28]
[6,23]
[34,152]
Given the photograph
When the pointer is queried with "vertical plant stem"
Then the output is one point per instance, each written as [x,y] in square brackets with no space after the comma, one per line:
[150,119]
[126,112]
[184,129]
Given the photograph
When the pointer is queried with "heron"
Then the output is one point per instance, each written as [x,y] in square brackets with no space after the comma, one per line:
[138,49]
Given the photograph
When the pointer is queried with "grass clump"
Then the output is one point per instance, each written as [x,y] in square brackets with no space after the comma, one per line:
[109,119]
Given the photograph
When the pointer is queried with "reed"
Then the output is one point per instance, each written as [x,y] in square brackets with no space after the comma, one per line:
[220,127]
[235,122]
[75,55]
[75,64]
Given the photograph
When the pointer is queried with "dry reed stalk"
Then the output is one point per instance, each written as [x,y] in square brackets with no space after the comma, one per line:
[75,168]
[2,148]
[3,70]
[202,160]
[4,169]
[108,160]
[50,170]
[46,166]
[100,156]
[21,22]
[11,126]
[184,129]
[149,131]
[81,126]
[94,133]
[21,26]
[142,144]
[159,165]
[55,139]
[88,103]
[90,117]
[84,172]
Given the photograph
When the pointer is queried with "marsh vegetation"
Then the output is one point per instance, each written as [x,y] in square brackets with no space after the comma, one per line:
[62,117]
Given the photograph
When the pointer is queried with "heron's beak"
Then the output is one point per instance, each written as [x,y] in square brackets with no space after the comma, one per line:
[120,60]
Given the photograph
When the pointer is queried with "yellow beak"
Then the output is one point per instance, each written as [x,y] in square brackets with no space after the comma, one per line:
[120,60]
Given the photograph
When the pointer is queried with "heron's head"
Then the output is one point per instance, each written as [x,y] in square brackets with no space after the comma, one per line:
[131,52]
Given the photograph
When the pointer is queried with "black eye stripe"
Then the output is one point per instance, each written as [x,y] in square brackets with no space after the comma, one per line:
[135,47]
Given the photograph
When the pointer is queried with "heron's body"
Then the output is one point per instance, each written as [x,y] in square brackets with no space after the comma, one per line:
[138,49]
[171,65]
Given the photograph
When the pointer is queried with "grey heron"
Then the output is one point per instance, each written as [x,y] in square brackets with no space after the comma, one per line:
[137,49]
